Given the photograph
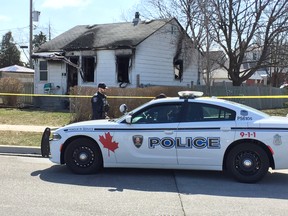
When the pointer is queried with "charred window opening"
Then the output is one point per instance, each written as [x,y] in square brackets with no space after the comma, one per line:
[178,69]
[43,70]
[88,65]
[123,63]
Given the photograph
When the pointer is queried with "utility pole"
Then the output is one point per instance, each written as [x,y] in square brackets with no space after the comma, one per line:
[49,31]
[30,35]
[208,69]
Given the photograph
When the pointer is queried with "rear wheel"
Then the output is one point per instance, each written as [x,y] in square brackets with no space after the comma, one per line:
[83,156]
[247,163]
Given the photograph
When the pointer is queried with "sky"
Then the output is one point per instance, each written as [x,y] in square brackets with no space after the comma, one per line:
[60,15]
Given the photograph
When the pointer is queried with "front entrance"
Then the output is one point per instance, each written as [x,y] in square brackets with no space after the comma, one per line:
[72,78]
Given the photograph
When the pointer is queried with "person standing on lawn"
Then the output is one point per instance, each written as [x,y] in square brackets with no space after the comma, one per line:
[99,102]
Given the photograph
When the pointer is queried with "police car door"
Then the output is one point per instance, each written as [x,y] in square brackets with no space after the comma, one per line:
[150,137]
[204,134]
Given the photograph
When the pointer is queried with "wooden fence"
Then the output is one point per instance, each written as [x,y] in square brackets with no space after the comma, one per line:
[258,103]
[28,89]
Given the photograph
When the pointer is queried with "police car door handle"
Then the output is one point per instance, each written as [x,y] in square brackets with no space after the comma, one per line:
[168,132]
[225,128]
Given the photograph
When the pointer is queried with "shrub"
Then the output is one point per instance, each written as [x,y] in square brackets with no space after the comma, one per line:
[80,107]
[10,85]
[81,110]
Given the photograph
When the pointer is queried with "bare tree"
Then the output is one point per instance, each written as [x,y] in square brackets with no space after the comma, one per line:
[278,72]
[237,25]
[190,13]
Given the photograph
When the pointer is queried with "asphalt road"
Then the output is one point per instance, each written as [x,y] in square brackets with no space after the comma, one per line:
[34,186]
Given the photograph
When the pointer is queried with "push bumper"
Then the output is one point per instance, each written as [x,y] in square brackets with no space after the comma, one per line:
[45,147]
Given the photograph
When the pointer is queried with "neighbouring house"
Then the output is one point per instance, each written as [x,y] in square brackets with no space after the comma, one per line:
[219,75]
[25,75]
[129,54]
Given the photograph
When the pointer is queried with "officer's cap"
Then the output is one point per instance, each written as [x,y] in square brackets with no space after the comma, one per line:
[102,85]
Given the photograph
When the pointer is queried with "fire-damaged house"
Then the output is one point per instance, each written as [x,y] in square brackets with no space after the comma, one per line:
[128,54]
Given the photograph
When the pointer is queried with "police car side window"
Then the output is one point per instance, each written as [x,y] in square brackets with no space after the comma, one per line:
[207,112]
[163,113]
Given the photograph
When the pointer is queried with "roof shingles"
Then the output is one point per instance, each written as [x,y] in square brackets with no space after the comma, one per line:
[109,36]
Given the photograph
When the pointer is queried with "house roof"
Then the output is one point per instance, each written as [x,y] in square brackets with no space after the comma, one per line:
[17,69]
[259,75]
[103,36]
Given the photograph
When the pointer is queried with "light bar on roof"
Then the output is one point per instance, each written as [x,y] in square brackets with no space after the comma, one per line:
[190,94]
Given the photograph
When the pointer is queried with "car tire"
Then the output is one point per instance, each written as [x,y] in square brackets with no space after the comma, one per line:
[247,163]
[83,156]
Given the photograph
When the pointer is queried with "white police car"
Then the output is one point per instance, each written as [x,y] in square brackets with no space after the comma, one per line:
[188,132]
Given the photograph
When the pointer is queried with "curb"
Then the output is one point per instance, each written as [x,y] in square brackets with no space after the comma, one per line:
[20,151]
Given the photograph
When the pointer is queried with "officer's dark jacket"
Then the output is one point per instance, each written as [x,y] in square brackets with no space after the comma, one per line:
[99,106]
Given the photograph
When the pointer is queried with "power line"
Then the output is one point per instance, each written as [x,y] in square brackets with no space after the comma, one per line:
[14,28]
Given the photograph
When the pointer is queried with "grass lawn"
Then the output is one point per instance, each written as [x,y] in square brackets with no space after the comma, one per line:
[33,117]
[18,138]
[277,112]
[29,117]
[46,118]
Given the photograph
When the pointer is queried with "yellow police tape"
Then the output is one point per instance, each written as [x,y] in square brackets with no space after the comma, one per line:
[137,97]
[68,96]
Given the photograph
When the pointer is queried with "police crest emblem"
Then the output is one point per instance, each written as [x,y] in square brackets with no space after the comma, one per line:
[277,139]
[137,140]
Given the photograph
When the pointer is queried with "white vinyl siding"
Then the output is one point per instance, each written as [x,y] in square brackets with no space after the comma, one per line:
[154,61]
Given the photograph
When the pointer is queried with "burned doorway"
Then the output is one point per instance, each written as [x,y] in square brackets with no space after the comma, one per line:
[72,79]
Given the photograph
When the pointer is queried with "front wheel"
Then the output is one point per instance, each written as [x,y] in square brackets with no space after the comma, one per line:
[83,156]
[247,163]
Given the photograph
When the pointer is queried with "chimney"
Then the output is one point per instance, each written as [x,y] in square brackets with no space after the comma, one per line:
[136,20]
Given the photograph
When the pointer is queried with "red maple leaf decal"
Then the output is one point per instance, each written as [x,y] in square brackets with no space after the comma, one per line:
[108,143]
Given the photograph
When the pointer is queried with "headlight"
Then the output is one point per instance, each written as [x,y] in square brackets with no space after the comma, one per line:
[56,136]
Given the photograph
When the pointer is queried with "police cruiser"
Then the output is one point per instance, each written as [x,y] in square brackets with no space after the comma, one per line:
[185,132]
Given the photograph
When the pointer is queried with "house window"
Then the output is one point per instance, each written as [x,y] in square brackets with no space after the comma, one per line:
[43,70]
[178,69]
[254,56]
[173,29]
[123,63]
[88,65]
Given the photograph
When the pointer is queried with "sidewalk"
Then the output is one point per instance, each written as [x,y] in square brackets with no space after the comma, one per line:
[25,128]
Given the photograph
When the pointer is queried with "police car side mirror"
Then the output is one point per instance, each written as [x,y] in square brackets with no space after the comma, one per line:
[128,119]
[123,108]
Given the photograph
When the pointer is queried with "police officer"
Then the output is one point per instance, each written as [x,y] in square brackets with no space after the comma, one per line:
[99,102]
